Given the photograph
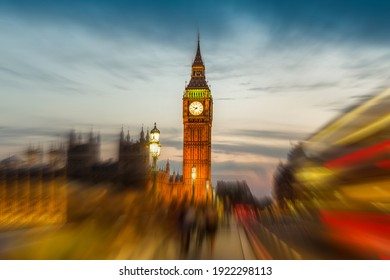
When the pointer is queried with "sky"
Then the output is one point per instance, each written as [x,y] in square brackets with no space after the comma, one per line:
[278,71]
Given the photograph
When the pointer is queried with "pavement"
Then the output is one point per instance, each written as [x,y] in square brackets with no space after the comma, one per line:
[231,243]
[239,248]
[118,227]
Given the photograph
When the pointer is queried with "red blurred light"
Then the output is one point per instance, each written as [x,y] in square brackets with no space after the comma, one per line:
[359,156]
[368,231]
[373,223]
[385,164]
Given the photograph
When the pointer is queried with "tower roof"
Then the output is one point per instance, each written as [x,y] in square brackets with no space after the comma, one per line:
[198,57]
[198,79]
[155,129]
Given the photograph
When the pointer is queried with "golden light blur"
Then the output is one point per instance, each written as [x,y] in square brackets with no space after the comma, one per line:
[339,178]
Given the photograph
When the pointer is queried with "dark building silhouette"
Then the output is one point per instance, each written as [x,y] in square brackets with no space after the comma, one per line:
[133,159]
[82,156]
[236,192]
[283,184]
[130,170]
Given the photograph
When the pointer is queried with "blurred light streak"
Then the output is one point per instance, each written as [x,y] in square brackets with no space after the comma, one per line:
[369,231]
[384,164]
[369,191]
[366,131]
[342,178]
[314,175]
[359,156]
[346,118]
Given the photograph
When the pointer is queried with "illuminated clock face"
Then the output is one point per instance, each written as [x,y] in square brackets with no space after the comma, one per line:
[196,108]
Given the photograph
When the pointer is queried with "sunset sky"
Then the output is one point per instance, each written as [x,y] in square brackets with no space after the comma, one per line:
[278,70]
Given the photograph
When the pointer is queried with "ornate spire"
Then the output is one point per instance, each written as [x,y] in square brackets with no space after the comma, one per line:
[198,79]
[147,138]
[142,134]
[167,167]
[198,57]
[122,135]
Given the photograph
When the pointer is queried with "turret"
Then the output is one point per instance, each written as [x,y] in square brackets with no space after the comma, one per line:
[147,138]
[122,135]
[174,177]
[167,167]
[142,135]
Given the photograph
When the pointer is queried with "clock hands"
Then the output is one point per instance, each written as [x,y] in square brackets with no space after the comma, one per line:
[196,108]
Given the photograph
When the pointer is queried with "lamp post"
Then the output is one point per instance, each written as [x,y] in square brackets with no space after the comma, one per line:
[207,190]
[193,176]
[155,149]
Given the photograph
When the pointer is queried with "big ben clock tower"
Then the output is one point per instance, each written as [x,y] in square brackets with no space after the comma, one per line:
[197,120]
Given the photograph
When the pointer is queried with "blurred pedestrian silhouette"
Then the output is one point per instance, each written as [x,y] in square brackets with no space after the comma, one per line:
[226,211]
[200,226]
[187,220]
[211,215]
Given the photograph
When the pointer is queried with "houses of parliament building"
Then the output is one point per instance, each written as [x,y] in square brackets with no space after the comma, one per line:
[30,191]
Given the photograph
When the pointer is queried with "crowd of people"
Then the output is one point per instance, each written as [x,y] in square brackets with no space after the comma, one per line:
[195,225]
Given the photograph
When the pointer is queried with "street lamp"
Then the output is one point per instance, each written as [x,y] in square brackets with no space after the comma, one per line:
[207,190]
[193,175]
[155,149]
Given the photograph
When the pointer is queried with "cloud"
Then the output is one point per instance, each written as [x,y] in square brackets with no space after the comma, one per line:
[244,148]
[361,21]
[178,144]
[285,20]
[151,19]
[363,97]
[21,132]
[227,98]
[272,134]
[285,88]
[241,142]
